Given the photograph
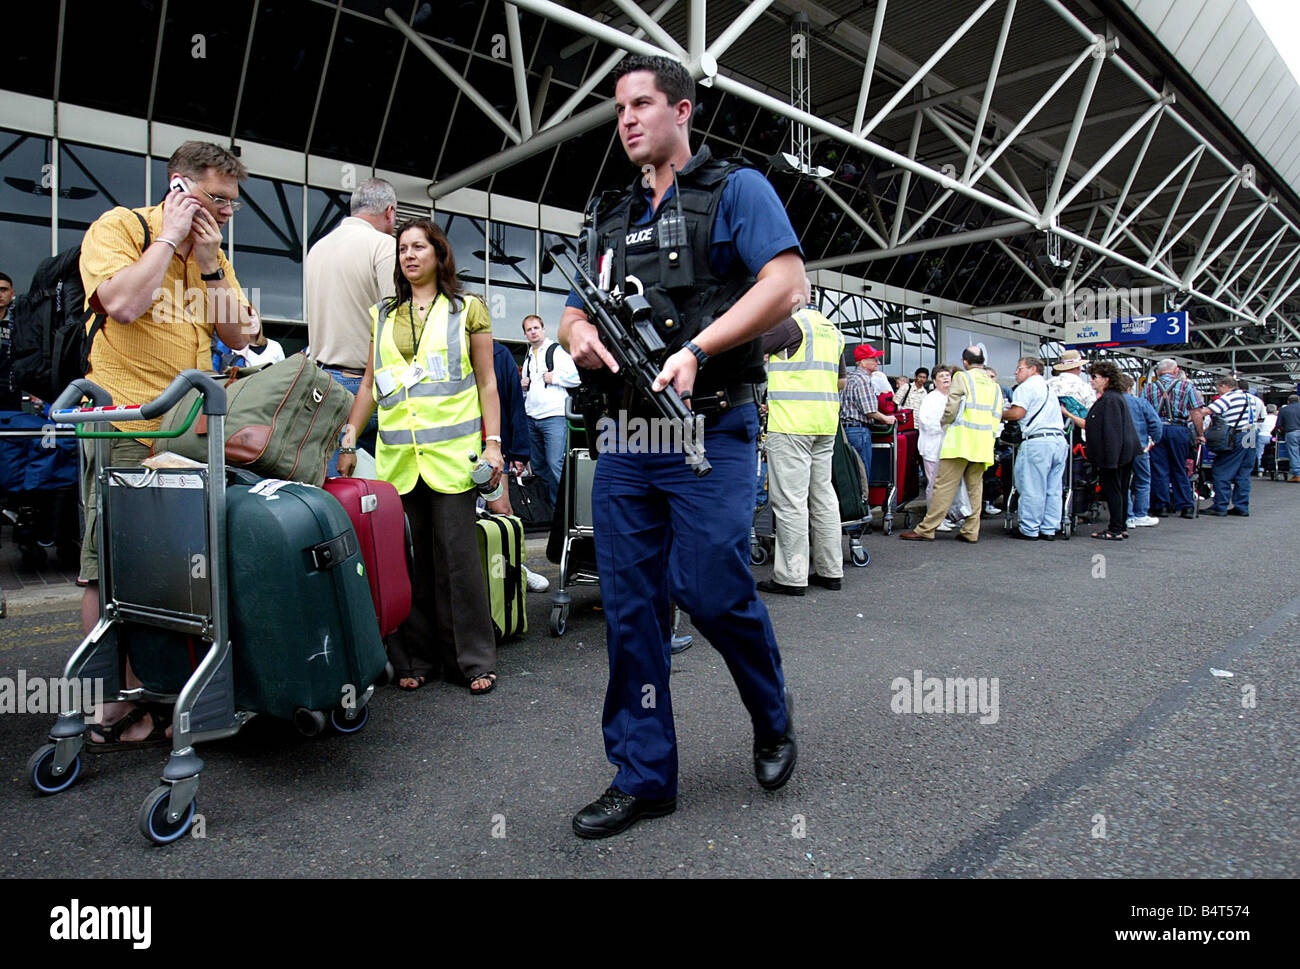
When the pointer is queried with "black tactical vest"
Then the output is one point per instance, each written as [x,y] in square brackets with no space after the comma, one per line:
[670,258]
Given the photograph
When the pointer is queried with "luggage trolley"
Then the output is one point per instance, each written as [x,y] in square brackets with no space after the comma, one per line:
[573,510]
[884,439]
[143,603]
[1277,451]
[1011,503]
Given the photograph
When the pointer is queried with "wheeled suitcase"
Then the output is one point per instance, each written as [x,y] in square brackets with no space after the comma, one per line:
[302,622]
[908,460]
[375,509]
[906,470]
[501,556]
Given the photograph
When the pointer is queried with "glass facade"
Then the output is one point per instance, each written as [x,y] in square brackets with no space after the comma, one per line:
[266,240]
[908,336]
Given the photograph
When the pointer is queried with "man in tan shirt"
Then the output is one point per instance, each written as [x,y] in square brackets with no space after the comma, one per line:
[347,272]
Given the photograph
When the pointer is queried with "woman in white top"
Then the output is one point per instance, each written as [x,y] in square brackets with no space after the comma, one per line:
[929,440]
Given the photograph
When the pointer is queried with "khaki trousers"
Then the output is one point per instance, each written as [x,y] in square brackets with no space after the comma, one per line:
[803,501]
[952,471]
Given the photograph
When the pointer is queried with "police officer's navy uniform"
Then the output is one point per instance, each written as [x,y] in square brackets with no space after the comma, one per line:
[661,532]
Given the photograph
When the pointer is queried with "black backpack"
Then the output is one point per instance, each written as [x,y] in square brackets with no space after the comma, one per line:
[51,343]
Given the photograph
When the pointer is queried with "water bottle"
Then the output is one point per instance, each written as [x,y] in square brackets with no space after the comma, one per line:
[481,474]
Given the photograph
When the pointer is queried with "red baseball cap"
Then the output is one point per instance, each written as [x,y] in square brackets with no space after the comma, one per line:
[864,350]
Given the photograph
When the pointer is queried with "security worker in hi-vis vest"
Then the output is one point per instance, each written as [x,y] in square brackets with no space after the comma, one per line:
[711,248]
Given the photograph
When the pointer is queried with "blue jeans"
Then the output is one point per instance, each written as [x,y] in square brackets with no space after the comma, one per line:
[1231,475]
[1293,450]
[1139,498]
[548,437]
[366,439]
[1260,449]
[860,439]
[1039,475]
[1170,486]
[664,535]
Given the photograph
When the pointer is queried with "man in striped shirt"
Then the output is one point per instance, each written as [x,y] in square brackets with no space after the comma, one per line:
[859,404]
[1236,409]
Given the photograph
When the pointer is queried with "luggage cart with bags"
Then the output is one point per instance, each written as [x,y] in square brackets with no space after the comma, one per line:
[303,644]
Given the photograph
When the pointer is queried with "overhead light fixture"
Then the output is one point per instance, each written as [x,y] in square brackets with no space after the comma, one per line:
[29,187]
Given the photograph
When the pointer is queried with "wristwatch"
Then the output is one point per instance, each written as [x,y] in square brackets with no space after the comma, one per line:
[213,277]
[700,355]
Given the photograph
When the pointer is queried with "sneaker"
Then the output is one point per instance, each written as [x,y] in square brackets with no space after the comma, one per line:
[535,582]
[1145,521]
[945,526]
[991,509]
[1131,523]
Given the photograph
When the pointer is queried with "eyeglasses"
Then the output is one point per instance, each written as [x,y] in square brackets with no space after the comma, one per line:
[219,202]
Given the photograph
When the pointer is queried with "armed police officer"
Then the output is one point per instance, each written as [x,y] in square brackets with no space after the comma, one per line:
[712,249]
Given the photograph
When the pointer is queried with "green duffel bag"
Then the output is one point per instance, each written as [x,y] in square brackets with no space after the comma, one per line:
[283,421]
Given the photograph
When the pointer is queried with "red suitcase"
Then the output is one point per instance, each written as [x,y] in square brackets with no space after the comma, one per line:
[906,419]
[376,512]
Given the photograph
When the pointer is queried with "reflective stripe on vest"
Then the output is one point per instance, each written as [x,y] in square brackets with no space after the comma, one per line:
[971,435]
[803,390]
[430,429]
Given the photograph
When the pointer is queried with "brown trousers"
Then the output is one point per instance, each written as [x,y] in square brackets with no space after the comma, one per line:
[450,627]
[952,471]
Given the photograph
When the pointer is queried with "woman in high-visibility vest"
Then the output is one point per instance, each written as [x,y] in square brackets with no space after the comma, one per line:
[431,372]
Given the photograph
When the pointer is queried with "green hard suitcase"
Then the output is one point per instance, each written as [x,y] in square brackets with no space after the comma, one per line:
[302,621]
[501,556]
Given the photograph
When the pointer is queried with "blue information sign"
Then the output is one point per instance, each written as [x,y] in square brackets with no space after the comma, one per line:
[1156,330]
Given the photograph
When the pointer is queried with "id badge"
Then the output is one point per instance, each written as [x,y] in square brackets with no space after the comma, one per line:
[385,383]
[437,365]
[412,375]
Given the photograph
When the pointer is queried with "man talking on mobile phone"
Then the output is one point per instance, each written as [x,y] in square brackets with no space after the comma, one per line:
[159,277]
[713,250]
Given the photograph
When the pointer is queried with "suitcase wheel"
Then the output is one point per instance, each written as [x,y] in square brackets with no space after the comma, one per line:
[154,823]
[349,720]
[40,771]
[859,556]
[559,620]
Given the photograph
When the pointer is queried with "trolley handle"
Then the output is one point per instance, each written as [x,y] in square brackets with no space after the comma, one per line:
[65,411]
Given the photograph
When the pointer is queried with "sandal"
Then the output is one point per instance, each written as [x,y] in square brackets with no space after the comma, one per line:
[492,682]
[1110,536]
[418,682]
[112,733]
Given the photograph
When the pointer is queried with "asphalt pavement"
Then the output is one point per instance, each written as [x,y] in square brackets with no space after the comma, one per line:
[1146,724]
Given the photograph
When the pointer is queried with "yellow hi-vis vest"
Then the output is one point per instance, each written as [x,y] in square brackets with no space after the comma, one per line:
[971,435]
[803,395]
[428,429]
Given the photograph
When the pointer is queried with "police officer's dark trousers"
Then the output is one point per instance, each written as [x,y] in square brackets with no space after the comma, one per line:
[661,534]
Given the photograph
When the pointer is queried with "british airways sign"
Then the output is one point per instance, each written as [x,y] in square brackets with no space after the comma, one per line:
[1156,330]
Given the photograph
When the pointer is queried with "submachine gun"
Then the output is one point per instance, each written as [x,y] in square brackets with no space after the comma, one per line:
[626,326]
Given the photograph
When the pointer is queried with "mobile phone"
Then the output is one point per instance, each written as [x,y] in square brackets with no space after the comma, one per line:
[178,184]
